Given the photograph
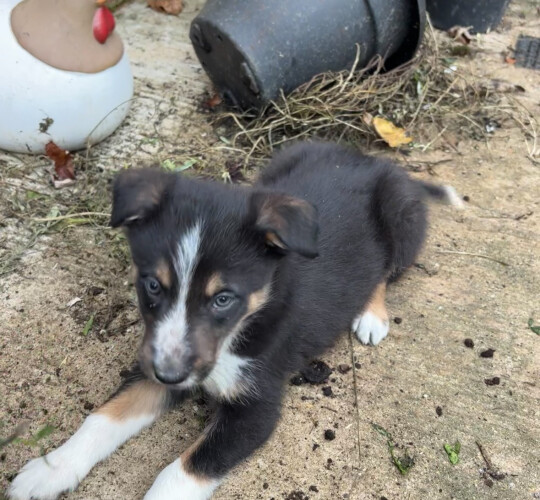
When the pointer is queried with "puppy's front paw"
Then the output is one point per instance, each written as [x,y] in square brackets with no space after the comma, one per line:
[370,328]
[175,483]
[43,478]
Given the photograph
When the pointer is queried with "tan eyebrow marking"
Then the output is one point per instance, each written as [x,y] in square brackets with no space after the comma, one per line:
[214,285]
[163,273]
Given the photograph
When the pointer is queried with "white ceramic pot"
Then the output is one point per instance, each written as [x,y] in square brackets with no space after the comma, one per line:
[39,103]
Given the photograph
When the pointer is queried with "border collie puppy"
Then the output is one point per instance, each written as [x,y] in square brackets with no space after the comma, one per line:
[239,287]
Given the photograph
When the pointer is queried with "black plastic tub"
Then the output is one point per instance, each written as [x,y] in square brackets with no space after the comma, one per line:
[481,15]
[253,49]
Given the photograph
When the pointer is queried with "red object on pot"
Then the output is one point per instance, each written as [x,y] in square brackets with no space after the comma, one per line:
[103,24]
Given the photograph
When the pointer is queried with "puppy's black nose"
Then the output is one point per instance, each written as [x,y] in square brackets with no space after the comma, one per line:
[170,376]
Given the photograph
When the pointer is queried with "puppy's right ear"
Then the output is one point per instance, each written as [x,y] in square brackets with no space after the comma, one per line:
[137,194]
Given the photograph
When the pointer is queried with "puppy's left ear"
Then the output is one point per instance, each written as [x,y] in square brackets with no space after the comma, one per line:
[137,194]
[288,223]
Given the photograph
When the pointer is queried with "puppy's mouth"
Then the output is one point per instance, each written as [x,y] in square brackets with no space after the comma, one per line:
[196,376]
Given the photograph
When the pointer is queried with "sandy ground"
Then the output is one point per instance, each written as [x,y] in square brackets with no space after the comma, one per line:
[478,278]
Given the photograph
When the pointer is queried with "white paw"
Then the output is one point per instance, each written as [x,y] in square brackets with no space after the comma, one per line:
[174,483]
[369,328]
[43,478]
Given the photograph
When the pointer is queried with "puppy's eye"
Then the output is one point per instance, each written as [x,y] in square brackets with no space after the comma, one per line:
[223,301]
[152,286]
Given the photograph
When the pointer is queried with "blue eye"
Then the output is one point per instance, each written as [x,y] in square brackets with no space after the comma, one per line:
[223,301]
[152,286]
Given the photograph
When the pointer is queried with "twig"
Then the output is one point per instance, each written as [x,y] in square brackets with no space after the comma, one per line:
[329,409]
[484,455]
[70,216]
[356,406]
[490,470]
[481,256]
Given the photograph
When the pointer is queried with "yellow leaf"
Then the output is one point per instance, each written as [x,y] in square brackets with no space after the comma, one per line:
[392,135]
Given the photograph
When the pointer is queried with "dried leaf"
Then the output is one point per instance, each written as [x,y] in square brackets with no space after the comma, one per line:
[73,301]
[64,170]
[168,6]
[213,102]
[461,34]
[392,135]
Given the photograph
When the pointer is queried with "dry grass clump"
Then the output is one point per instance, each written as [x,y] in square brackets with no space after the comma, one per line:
[428,96]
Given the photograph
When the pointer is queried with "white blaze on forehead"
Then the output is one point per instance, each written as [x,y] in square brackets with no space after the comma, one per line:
[171,331]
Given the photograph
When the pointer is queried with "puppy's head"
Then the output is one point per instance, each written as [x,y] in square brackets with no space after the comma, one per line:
[205,256]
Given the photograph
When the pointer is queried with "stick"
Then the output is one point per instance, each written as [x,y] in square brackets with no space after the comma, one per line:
[481,256]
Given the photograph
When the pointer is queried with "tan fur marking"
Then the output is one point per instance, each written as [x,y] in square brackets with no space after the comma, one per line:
[185,459]
[163,273]
[257,299]
[142,398]
[376,304]
[272,239]
[214,285]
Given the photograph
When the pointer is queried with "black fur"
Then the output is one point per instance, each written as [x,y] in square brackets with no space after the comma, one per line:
[353,223]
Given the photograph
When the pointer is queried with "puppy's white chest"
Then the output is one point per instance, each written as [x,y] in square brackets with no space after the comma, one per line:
[230,376]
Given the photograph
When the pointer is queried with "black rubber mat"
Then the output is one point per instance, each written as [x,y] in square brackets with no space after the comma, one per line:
[528,52]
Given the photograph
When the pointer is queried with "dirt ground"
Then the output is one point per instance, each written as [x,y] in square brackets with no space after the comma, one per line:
[478,278]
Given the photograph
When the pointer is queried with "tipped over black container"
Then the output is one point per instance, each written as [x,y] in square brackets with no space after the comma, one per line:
[481,15]
[253,49]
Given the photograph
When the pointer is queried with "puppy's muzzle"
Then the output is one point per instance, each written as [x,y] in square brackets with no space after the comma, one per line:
[172,370]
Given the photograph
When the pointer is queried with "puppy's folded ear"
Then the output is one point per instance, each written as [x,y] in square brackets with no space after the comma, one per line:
[137,194]
[288,223]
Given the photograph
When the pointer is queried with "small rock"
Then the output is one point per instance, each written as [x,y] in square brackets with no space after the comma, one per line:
[398,320]
[327,391]
[297,380]
[88,406]
[488,482]
[438,411]
[296,495]
[265,486]
[95,290]
[492,381]
[488,353]
[469,343]
[466,198]
[357,366]
[314,488]
[343,368]
[329,435]
[315,446]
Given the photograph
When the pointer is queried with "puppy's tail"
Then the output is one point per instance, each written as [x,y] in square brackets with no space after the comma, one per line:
[446,194]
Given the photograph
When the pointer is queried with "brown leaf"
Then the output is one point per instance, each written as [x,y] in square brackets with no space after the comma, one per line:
[168,6]
[64,170]
[392,135]
[461,34]
[213,102]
